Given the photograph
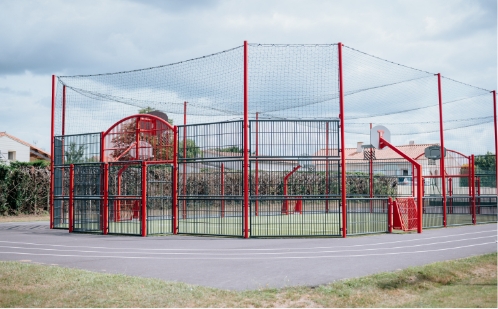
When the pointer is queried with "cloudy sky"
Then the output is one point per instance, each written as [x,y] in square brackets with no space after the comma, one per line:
[41,38]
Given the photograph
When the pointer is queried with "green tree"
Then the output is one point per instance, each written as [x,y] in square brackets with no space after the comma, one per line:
[485,169]
[193,151]
[74,154]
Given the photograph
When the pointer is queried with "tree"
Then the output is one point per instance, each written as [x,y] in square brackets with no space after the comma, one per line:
[74,154]
[485,169]
[193,151]
[486,162]
[148,109]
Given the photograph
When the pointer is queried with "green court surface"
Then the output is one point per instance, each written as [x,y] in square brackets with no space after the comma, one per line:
[308,224]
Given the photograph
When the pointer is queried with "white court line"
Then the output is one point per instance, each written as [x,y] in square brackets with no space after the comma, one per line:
[248,258]
[248,249]
[256,253]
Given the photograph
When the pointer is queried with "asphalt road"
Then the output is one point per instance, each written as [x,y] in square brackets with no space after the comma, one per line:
[240,264]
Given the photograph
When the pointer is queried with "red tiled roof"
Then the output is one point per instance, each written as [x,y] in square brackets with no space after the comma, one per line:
[20,141]
[413,151]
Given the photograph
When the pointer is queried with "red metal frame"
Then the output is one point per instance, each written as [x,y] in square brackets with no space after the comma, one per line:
[246,146]
[174,191]
[473,184]
[184,204]
[285,204]
[144,198]
[383,143]
[370,168]
[441,134]
[52,150]
[496,137]
[63,109]
[71,198]
[327,168]
[343,146]
[256,173]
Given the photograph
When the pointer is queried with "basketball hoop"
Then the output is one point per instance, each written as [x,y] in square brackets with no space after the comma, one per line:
[374,135]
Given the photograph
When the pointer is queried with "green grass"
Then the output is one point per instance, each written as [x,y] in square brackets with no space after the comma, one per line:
[25,218]
[470,282]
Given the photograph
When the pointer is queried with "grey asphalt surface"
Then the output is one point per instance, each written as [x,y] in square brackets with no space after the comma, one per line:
[241,264]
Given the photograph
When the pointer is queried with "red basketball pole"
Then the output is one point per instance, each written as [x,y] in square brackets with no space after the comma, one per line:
[285,206]
[256,172]
[383,143]
[71,198]
[343,146]
[246,147]
[52,150]
[144,199]
[496,139]
[184,211]
[441,133]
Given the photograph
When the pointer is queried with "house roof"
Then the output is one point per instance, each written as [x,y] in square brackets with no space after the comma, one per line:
[413,151]
[33,149]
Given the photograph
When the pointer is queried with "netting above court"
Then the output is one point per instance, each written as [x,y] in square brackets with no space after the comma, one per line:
[287,82]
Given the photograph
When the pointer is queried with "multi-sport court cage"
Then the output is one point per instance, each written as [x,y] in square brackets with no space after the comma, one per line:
[268,147]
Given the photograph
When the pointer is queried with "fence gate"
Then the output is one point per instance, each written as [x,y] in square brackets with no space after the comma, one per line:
[160,217]
[87,183]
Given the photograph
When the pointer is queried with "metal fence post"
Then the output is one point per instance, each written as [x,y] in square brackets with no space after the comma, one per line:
[473,183]
[441,134]
[174,189]
[246,146]
[105,202]
[343,146]
[144,199]
[71,198]
[52,150]
[390,215]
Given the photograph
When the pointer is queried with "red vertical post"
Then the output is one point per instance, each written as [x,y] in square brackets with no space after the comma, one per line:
[256,172]
[174,190]
[52,150]
[496,139]
[105,211]
[390,214]
[473,198]
[478,186]
[420,196]
[450,193]
[327,167]
[144,199]
[370,170]
[246,146]
[63,109]
[343,146]
[184,204]
[71,198]
[222,176]
[441,134]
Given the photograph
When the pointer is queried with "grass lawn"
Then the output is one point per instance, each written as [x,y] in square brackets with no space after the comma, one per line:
[25,218]
[470,282]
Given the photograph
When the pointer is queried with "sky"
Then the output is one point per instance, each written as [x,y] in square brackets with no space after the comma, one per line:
[39,38]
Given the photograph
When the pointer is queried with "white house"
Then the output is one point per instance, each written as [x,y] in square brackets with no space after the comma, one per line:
[15,149]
